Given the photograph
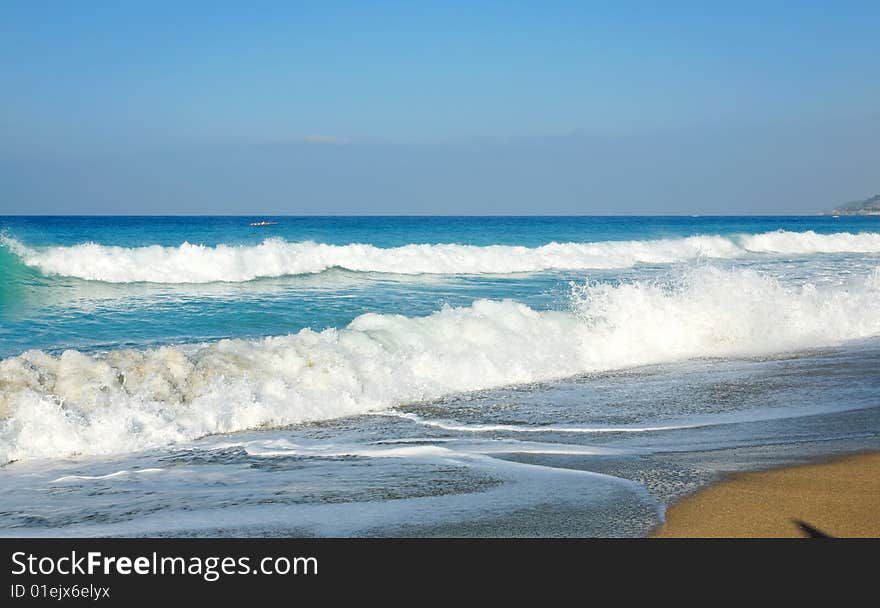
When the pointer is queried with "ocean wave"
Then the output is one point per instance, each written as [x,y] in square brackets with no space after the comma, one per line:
[189,263]
[125,400]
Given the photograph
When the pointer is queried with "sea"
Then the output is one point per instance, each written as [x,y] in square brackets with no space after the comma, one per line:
[421,376]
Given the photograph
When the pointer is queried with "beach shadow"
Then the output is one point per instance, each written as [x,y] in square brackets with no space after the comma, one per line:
[809,531]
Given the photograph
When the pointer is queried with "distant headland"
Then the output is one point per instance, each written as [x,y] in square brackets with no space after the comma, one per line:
[869,206]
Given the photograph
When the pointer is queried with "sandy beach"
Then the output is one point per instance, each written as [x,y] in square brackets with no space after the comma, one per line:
[839,498]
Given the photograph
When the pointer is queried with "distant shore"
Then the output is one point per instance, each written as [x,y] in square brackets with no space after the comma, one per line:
[869,206]
[840,497]
[861,212]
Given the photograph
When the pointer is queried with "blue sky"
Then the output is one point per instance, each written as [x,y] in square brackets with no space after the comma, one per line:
[418,107]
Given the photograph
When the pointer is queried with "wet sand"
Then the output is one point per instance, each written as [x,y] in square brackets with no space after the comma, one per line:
[838,498]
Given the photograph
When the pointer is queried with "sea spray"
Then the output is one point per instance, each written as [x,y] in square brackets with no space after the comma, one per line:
[193,263]
[125,400]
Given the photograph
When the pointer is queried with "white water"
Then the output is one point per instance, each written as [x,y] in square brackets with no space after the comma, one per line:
[127,400]
[190,263]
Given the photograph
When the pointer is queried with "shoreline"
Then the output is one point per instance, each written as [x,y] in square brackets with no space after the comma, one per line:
[837,497]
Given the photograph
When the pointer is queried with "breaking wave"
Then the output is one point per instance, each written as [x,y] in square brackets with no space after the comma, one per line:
[125,400]
[190,263]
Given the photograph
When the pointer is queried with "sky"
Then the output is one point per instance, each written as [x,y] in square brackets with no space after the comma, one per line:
[438,107]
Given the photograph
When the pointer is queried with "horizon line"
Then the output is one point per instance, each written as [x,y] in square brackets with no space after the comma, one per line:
[431,215]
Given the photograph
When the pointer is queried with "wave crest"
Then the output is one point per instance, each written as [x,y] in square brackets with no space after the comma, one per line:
[128,399]
[190,263]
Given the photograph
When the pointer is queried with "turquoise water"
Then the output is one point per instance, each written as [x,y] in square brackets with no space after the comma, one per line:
[420,375]
[55,311]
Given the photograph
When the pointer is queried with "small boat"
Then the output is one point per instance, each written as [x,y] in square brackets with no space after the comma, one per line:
[263,223]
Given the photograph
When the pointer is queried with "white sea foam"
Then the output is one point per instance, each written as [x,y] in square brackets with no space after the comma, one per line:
[190,263]
[809,242]
[128,399]
[449,425]
[122,473]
